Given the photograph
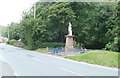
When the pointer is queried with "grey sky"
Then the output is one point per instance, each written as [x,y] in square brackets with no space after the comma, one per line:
[11,10]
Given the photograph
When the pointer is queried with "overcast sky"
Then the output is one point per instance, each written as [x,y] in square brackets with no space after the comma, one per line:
[11,10]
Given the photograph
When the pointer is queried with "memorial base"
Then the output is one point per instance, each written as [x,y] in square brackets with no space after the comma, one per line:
[69,43]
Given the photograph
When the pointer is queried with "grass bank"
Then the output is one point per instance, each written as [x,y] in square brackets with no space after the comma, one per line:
[41,50]
[104,58]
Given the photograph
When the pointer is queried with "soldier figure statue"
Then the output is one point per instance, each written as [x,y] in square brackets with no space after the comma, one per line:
[70,29]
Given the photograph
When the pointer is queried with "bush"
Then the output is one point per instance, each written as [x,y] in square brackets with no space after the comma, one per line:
[11,42]
[18,44]
[28,48]
[113,46]
[44,45]
[50,44]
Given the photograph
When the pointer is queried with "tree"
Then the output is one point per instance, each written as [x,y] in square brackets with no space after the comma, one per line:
[94,24]
[114,32]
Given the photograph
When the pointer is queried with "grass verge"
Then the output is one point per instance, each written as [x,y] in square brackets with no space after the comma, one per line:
[104,58]
[41,50]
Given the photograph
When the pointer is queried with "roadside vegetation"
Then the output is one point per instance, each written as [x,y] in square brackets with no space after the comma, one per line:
[12,42]
[95,25]
[104,58]
[41,50]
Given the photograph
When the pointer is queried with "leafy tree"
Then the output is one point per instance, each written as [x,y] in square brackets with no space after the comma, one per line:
[95,25]
[114,32]
[13,30]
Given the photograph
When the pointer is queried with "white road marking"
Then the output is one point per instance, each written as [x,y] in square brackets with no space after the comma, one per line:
[70,71]
[39,60]
[15,74]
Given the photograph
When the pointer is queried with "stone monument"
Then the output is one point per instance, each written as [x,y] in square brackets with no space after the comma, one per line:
[69,39]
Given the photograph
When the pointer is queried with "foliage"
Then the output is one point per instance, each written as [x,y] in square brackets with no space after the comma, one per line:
[41,50]
[104,58]
[19,44]
[95,25]
[113,33]
[113,46]
[48,26]
[11,42]
[51,44]
[13,30]
[92,26]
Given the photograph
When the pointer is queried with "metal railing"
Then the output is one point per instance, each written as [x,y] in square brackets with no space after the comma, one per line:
[61,52]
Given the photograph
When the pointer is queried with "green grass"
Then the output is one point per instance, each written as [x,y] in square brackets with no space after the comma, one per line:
[27,48]
[41,50]
[104,58]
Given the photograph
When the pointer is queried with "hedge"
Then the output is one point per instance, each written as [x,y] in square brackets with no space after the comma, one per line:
[51,44]
[11,42]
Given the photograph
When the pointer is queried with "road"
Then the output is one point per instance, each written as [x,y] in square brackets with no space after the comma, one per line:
[19,62]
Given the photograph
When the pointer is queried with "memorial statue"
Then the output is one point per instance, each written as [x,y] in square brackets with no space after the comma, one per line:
[69,39]
[70,29]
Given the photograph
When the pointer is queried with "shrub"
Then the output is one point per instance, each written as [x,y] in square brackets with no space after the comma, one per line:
[44,45]
[11,42]
[51,44]
[113,46]
[18,44]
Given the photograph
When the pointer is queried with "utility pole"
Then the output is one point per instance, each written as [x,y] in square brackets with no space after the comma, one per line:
[34,10]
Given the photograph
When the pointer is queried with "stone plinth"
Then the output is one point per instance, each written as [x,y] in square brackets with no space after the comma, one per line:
[69,43]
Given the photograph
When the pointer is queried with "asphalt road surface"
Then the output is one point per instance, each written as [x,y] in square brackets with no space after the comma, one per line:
[19,62]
